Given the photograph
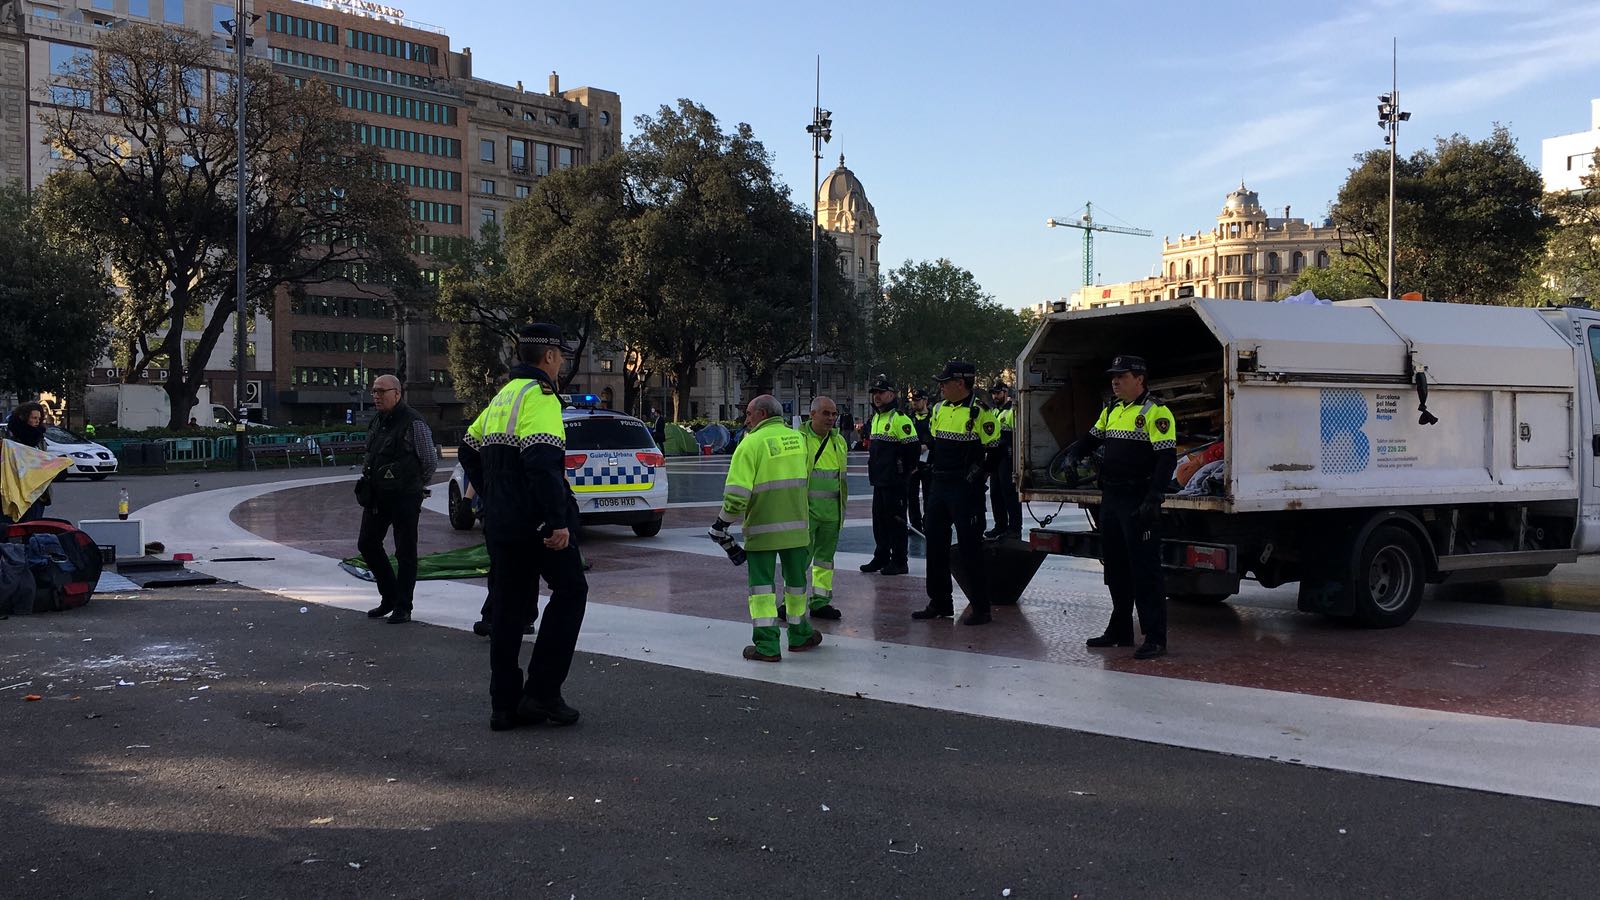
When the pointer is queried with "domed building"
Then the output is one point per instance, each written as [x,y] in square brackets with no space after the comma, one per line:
[845,213]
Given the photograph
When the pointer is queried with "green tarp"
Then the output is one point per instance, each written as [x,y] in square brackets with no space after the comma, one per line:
[467,562]
[680,441]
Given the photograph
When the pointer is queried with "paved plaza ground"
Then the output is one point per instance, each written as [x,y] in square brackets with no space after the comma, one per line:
[262,738]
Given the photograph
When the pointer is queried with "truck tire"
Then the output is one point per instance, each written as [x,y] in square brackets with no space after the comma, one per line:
[1388,578]
[461,517]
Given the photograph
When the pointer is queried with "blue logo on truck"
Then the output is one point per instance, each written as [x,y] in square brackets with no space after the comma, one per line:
[1345,448]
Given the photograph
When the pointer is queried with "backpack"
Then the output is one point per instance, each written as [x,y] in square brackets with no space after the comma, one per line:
[64,562]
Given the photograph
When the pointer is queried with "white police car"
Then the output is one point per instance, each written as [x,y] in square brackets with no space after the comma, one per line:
[615,469]
[88,458]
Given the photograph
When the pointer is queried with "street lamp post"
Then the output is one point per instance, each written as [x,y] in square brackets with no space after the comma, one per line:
[239,28]
[821,131]
[1389,119]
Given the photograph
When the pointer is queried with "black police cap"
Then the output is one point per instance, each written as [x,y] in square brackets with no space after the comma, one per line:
[957,368]
[881,383]
[1125,363]
[543,333]
[999,386]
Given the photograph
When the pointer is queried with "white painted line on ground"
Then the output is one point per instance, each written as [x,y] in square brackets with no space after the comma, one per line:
[1479,752]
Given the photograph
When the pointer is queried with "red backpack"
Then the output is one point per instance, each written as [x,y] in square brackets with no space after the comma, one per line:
[65,562]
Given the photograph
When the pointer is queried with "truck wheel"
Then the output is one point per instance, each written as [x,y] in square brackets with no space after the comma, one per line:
[1388,578]
[647,529]
[461,517]
[1199,599]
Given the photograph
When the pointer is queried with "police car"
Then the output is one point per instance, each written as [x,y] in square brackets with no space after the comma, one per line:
[615,469]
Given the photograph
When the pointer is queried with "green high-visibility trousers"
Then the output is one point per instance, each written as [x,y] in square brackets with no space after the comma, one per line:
[763,566]
[824,542]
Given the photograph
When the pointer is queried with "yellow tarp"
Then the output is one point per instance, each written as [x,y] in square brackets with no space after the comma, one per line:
[24,475]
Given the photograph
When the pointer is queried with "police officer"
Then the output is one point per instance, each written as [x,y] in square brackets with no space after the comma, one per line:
[394,475]
[917,488]
[514,452]
[1140,442]
[965,436]
[890,459]
[1003,500]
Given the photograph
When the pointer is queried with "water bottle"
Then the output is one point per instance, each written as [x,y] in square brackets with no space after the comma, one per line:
[122,503]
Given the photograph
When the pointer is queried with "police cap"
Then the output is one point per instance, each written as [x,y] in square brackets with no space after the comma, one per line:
[881,383]
[957,368]
[999,387]
[544,334]
[1125,363]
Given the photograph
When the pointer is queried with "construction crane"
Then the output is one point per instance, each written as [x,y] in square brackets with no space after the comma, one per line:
[1089,226]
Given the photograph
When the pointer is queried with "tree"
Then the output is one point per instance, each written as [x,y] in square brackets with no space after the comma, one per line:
[933,312]
[148,121]
[1340,280]
[477,365]
[1573,264]
[1468,221]
[57,303]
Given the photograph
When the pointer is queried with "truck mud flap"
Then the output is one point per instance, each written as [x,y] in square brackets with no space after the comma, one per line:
[1009,565]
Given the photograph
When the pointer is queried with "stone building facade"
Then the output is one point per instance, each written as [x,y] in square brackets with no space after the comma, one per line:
[1248,255]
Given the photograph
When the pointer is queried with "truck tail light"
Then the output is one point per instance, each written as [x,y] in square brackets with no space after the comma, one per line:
[1213,558]
[650,459]
[576,460]
[1045,541]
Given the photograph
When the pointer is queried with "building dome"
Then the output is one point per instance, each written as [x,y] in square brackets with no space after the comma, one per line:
[842,191]
[1242,202]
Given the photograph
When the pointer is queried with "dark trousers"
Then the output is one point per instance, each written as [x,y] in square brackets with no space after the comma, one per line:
[1131,551]
[1003,500]
[917,496]
[514,602]
[955,504]
[401,514]
[889,523]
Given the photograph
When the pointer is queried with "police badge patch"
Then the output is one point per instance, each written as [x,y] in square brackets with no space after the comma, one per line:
[988,428]
[1162,425]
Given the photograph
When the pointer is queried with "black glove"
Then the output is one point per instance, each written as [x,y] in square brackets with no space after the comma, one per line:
[1150,510]
[1069,469]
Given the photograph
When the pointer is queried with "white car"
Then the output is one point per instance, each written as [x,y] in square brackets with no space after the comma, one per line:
[615,469]
[88,458]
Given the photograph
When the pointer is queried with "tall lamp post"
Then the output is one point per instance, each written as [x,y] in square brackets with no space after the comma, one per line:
[821,131]
[239,28]
[1389,119]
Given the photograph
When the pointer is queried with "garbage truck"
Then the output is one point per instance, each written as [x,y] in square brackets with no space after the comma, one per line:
[1362,449]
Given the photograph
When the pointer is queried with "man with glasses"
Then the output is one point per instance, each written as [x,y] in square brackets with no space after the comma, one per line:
[399,463]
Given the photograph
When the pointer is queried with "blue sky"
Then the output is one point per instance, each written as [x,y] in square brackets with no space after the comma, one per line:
[970,124]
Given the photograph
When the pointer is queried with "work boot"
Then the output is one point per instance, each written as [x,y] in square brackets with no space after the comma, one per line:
[992,534]
[1150,650]
[828,611]
[532,710]
[1108,640]
[754,655]
[809,644]
[400,617]
[482,628]
[379,611]
[895,568]
[502,720]
[873,565]
[977,616]
[934,612]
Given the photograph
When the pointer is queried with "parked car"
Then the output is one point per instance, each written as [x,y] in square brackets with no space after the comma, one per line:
[88,458]
[615,469]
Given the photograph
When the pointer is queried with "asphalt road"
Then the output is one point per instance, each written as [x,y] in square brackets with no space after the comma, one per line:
[218,742]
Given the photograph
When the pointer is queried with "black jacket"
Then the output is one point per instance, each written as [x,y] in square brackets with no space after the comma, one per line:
[524,489]
[392,466]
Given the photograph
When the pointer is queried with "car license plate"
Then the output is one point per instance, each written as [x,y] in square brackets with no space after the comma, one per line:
[614,502]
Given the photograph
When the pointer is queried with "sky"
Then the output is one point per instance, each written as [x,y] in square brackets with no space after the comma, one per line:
[970,124]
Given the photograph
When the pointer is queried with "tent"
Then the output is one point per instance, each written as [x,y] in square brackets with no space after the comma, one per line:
[680,441]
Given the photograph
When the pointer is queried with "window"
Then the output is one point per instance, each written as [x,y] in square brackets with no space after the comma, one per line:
[1272,289]
[1249,290]
[1272,263]
[541,159]
[1322,259]
[221,12]
[522,191]
[1228,265]
[140,8]
[1188,268]
[172,12]
[63,57]
[486,217]
[1172,271]
[519,156]
[1248,262]
[564,157]
[486,150]
[874,259]
[608,433]
[65,96]
[1297,261]
[861,265]
[605,117]
[44,12]
[607,365]
[104,4]
[486,186]
[552,119]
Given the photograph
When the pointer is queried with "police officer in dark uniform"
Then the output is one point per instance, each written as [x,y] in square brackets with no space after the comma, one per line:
[1140,440]
[1003,500]
[917,488]
[965,435]
[890,459]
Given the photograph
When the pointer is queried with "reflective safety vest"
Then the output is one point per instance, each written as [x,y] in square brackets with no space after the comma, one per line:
[767,487]
[521,415]
[1007,418]
[1134,433]
[827,490]
[514,450]
[963,433]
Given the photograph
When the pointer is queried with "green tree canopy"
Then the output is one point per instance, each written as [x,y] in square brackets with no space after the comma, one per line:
[1468,222]
[932,312]
[1573,264]
[153,189]
[56,302]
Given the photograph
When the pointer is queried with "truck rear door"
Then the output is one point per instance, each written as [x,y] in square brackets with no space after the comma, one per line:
[1589,386]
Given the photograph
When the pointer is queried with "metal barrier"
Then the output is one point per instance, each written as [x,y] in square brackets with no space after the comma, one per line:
[186,450]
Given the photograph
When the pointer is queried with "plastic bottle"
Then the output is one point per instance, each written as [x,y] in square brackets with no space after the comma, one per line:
[122,503]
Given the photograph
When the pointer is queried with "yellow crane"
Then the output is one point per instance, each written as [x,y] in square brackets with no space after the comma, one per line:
[1089,226]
